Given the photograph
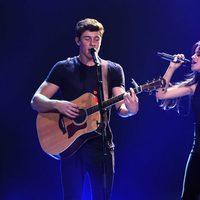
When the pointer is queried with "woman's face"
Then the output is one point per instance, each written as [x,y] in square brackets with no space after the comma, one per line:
[196,60]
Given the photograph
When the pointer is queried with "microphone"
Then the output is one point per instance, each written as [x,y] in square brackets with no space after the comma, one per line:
[95,56]
[170,58]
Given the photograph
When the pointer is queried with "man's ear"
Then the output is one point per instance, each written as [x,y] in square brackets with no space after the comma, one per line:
[77,40]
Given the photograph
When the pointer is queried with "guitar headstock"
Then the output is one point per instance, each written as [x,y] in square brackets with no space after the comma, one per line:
[153,85]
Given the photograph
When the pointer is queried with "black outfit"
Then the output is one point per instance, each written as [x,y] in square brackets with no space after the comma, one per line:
[75,79]
[191,186]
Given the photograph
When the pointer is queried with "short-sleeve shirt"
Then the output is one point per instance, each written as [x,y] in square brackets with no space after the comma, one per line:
[74,79]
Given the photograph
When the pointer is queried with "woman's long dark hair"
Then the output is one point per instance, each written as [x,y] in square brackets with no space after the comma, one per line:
[190,79]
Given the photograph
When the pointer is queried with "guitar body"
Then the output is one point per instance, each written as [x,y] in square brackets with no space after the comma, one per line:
[61,135]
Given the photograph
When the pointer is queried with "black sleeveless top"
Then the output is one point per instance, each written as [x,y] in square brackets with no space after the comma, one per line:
[196,103]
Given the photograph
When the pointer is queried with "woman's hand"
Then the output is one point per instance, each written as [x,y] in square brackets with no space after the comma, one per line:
[174,64]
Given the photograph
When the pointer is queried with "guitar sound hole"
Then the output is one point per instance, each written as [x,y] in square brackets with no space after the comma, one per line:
[81,118]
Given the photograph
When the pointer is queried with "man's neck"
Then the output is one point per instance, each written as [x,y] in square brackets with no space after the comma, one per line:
[86,61]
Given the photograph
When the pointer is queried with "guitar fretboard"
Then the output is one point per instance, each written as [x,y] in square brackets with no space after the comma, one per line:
[111,101]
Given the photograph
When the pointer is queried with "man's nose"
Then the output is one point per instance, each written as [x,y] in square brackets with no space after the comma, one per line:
[93,42]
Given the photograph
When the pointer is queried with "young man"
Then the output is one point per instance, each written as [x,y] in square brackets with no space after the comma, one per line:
[74,77]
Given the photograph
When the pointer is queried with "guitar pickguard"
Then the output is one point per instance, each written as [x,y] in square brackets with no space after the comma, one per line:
[73,128]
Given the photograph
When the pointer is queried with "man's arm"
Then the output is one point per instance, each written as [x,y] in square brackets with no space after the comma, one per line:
[42,101]
[129,105]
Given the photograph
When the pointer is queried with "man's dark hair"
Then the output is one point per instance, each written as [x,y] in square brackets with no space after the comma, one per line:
[88,25]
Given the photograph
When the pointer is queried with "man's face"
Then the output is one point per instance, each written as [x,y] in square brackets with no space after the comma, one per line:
[87,41]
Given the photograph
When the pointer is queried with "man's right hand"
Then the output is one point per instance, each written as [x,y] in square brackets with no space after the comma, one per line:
[67,108]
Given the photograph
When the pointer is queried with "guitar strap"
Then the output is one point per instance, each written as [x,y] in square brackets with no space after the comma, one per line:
[104,65]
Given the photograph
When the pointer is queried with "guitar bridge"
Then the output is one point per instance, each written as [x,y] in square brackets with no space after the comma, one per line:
[61,124]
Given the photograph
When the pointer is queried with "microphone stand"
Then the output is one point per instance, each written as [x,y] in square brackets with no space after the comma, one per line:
[103,122]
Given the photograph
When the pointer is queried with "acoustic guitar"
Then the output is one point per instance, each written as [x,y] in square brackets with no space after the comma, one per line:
[59,134]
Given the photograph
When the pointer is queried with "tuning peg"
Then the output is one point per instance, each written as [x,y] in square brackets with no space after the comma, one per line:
[134,83]
[136,86]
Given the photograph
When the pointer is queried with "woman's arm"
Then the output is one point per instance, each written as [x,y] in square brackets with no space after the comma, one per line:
[177,90]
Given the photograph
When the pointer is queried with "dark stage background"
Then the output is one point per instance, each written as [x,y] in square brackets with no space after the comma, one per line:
[151,147]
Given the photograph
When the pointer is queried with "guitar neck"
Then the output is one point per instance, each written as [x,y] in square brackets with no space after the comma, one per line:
[112,101]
